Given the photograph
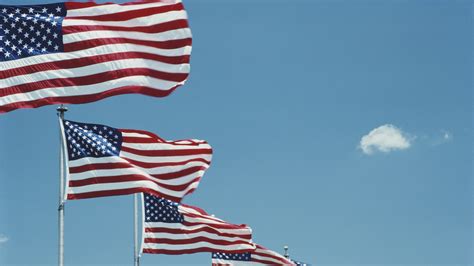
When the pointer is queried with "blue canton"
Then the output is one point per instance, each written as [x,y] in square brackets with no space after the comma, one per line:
[30,30]
[227,256]
[161,210]
[91,140]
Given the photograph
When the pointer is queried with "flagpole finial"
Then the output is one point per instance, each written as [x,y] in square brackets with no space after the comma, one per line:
[61,108]
[286,252]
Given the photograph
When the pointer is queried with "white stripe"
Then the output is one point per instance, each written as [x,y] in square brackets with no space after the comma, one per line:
[165,146]
[89,89]
[92,160]
[152,19]
[114,8]
[163,159]
[95,69]
[101,50]
[135,134]
[130,185]
[99,34]
[197,245]
[192,235]
[243,232]
[135,171]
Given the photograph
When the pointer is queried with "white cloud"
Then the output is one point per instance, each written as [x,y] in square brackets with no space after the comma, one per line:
[447,136]
[3,239]
[385,138]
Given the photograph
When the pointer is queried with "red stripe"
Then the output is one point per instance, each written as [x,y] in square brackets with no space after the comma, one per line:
[194,240]
[185,231]
[188,251]
[87,98]
[128,178]
[157,28]
[92,60]
[98,166]
[183,152]
[118,192]
[153,165]
[86,44]
[131,14]
[79,5]
[93,79]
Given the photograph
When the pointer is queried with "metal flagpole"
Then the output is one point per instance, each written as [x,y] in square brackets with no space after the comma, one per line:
[136,258]
[286,252]
[61,110]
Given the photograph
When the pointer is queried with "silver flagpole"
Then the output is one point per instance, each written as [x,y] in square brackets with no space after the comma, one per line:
[61,110]
[136,259]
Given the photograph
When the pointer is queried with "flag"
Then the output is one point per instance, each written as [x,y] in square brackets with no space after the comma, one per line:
[83,52]
[260,256]
[173,228]
[106,161]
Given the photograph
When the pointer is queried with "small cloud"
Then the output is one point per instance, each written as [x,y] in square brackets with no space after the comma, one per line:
[385,138]
[442,138]
[3,239]
[447,136]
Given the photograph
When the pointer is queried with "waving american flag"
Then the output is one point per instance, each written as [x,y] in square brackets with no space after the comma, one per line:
[173,228]
[83,52]
[106,161]
[260,256]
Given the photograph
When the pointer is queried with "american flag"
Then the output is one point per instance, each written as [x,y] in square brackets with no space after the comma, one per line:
[260,256]
[105,161]
[173,228]
[83,52]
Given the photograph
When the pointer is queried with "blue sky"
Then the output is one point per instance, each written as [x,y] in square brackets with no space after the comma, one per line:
[284,91]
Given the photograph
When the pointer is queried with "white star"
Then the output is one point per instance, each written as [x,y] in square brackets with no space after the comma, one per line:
[44,10]
[55,35]
[48,30]
[4,10]
[7,31]
[7,54]
[30,10]
[56,47]
[7,43]
[17,10]
[30,50]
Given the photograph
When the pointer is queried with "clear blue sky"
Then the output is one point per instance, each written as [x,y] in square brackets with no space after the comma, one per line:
[283,91]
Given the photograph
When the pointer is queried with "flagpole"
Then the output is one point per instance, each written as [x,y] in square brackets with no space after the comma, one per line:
[61,110]
[136,258]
